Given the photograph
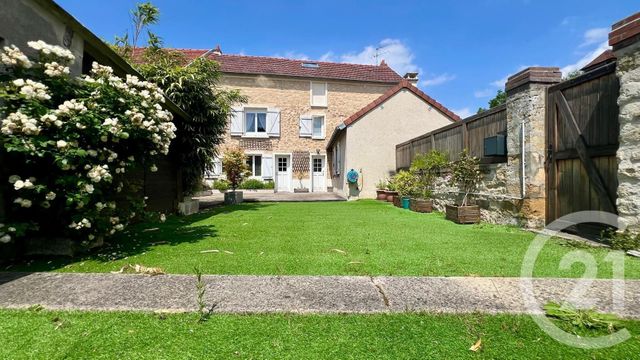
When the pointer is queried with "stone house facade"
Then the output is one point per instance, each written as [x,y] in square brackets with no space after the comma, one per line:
[292,109]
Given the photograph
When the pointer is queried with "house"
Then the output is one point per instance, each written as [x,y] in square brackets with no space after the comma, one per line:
[366,141]
[294,106]
[26,20]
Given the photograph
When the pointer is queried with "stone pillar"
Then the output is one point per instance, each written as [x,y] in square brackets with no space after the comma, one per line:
[526,107]
[625,40]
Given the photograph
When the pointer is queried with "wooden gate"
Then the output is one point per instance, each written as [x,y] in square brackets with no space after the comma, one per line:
[582,139]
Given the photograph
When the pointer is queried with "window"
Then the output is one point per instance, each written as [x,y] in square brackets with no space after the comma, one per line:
[318,94]
[317,165]
[282,164]
[318,127]
[255,122]
[336,159]
[255,164]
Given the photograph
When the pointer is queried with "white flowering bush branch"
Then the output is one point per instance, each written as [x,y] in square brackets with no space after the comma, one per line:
[71,146]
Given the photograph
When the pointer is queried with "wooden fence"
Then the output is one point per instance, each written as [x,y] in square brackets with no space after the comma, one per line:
[452,139]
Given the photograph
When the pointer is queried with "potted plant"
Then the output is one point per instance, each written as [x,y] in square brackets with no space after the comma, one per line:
[381,193]
[391,192]
[407,186]
[466,176]
[234,164]
[300,175]
[427,168]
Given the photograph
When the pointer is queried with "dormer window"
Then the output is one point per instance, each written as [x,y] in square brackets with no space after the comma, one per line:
[310,65]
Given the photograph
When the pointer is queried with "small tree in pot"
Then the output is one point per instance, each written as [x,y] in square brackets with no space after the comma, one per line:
[234,165]
[408,186]
[427,168]
[466,176]
[391,192]
[381,192]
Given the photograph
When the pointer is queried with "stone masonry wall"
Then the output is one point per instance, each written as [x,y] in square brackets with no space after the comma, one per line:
[628,71]
[292,97]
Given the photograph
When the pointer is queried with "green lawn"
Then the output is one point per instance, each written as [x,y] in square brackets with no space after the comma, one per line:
[113,335]
[343,238]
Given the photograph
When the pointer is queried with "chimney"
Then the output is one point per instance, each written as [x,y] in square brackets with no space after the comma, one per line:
[412,77]
[217,50]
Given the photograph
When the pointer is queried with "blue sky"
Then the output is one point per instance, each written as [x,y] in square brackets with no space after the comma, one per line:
[463,50]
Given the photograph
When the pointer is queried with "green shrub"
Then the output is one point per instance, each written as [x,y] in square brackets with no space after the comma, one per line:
[252,184]
[221,185]
[407,183]
[622,241]
[269,185]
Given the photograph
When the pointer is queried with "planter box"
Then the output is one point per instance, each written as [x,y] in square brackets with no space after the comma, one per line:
[391,195]
[381,195]
[421,205]
[463,214]
[233,197]
[189,206]
[397,201]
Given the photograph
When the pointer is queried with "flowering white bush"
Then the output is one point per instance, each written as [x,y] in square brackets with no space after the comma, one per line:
[69,144]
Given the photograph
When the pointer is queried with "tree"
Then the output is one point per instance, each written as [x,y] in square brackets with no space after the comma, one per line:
[234,165]
[193,87]
[499,99]
[465,174]
[427,167]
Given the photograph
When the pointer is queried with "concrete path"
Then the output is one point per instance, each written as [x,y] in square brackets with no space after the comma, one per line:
[301,294]
[250,196]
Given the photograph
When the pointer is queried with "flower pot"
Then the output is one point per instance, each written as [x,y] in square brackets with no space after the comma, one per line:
[421,205]
[381,195]
[233,197]
[469,214]
[391,195]
[405,202]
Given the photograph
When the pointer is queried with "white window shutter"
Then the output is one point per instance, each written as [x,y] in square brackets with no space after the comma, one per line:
[217,167]
[237,115]
[267,167]
[306,126]
[273,122]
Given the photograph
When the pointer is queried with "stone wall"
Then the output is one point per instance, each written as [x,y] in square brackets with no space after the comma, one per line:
[625,39]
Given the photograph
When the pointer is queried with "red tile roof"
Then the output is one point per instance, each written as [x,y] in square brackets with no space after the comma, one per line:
[403,84]
[262,65]
[606,57]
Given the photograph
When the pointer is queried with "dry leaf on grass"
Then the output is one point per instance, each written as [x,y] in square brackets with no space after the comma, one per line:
[159,243]
[209,251]
[140,269]
[151,229]
[339,251]
[475,347]
[355,262]
[228,252]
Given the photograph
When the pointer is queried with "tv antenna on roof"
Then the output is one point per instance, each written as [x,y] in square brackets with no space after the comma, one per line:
[376,56]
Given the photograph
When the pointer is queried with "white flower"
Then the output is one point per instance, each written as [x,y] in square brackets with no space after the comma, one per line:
[53,69]
[17,123]
[61,144]
[5,239]
[18,184]
[163,218]
[25,203]
[92,153]
[98,173]
[153,168]
[11,229]
[18,82]
[13,179]
[71,106]
[52,50]
[50,195]
[89,188]
[101,70]
[28,184]
[12,56]
[33,89]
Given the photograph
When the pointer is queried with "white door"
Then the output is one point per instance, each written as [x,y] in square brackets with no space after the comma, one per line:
[318,170]
[283,173]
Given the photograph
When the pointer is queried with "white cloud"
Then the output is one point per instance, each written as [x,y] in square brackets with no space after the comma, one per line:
[292,55]
[595,36]
[484,93]
[437,80]
[585,59]
[394,52]
[464,112]
[328,56]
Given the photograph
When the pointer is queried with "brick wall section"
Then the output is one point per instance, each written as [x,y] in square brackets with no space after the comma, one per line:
[292,97]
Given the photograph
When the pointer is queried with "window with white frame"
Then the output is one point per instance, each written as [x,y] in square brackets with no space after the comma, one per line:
[254,162]
[255,122]
[318,127]
[318,94]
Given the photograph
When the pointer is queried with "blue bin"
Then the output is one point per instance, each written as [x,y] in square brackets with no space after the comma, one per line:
[405,202]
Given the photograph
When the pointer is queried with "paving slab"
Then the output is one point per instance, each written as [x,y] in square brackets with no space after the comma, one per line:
[309,294]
